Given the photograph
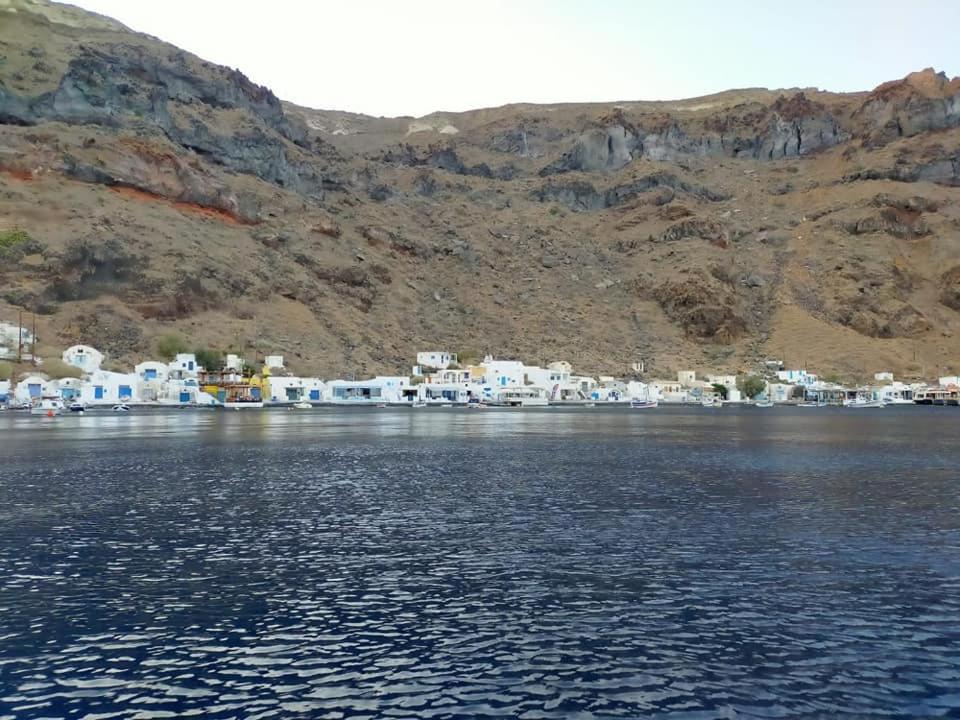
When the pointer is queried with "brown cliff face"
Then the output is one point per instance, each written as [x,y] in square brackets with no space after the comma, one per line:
[160,193]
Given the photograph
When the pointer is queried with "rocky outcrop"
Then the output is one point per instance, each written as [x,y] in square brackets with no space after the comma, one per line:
[900,217]
[950,288]
[597,150]
[920,102]
[693,228]
[791,127]
[580,195]
[125,86]
[703,306]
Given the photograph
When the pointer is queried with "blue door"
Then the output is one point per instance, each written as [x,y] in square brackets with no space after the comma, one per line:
[184,397]
[150,374]
[255,392]
[124,392]
[34,390]
[314,394]
[98,392]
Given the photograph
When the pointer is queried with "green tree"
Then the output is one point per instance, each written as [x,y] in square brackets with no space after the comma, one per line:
[721,390]
[751,385]
[6,370]
[208,358]
[169,346]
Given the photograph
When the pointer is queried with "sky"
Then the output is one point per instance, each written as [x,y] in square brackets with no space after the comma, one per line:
[391,58]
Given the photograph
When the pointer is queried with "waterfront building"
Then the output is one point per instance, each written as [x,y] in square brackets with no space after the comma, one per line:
[376,390]
[4,392]
[289,389]
[779,392]
[33,387]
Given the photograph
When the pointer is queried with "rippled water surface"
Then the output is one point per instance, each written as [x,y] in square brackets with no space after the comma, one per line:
[680,563]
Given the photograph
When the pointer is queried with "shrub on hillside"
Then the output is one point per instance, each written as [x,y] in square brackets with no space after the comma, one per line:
[57,369]
[6,370]
[169,346]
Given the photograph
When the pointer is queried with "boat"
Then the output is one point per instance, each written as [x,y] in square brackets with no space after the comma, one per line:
[763,403]
[638,404]
[711,403]
[860,403]
[243,404]
[811,405]
[47,406]
[520,396]
[897,401]
[121,407]
[303,405]
[77,407]
[417,404]
[589,405]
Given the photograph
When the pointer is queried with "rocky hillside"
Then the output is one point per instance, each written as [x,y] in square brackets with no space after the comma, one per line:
[145,191]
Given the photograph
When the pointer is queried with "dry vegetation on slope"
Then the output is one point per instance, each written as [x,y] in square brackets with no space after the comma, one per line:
[154,192]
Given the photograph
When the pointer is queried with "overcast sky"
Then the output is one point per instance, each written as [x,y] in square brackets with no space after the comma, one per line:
[385,57]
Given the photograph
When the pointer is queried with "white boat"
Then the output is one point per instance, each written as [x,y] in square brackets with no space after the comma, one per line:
[638,404]
[417,404]
[242,404]
[48,406]
[122,407]
[77,407]
[860,403]
[711,403]
[303,406]
[763,403]
[897,401]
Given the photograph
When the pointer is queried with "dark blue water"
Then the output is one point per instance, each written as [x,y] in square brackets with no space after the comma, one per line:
[445,563]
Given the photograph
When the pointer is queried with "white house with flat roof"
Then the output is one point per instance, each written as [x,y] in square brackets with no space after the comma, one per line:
[436,359]
[287,389]
[382,389]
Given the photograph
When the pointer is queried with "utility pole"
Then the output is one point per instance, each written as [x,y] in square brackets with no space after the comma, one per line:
[20,337]
[33,347]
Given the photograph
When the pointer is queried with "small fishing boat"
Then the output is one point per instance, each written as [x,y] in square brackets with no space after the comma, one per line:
[417,404]
[638,404]
[861,403]
[589,405]
[77,407]
[763,403]
[709,403]
[302,406]
[121,407]
[47,406]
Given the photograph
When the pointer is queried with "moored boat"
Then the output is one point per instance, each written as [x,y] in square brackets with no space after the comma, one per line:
[860,403]
[763,403]
[302,405]
[47,406]
[638,404]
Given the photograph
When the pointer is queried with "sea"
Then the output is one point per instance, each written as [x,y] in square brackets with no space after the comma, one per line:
[598,562]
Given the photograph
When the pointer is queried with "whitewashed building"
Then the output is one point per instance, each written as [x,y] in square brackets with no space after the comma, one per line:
[34,386]
[801,377]
[380,389]
[83,357]
[4,392]
[287,389]
[435,359]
